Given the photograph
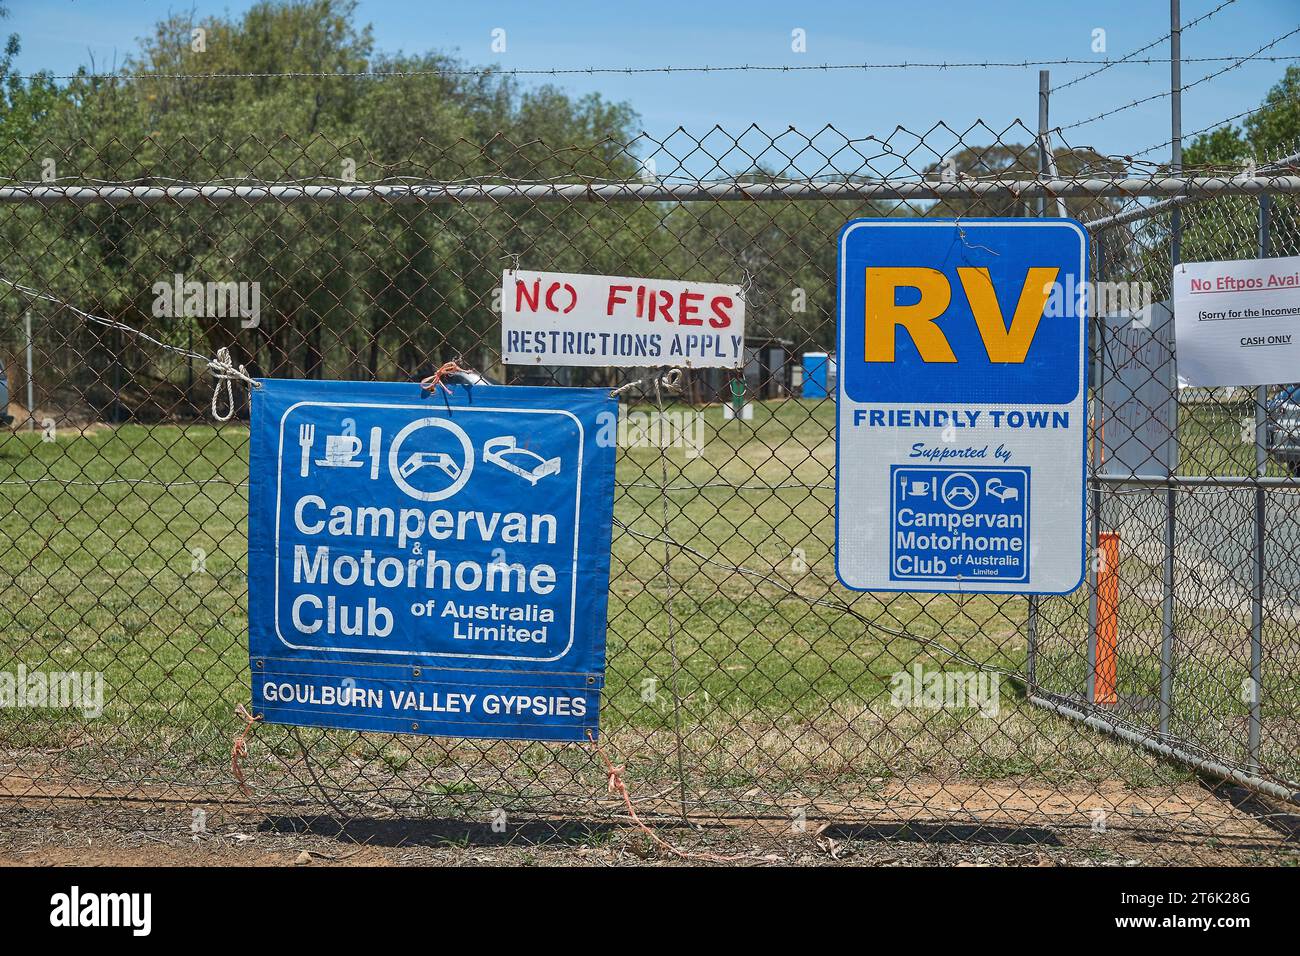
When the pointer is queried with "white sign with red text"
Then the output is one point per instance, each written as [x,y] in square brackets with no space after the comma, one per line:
[1237,322]
[558,318]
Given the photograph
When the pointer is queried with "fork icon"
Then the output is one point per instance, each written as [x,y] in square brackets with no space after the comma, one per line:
[306,436]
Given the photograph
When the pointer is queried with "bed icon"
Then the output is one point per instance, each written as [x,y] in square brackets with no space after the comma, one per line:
[998,490]
[504,452]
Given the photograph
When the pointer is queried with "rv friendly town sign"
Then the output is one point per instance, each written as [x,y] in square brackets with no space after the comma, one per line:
[961,417]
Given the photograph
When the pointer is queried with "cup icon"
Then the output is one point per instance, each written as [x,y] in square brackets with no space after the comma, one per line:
[340,450]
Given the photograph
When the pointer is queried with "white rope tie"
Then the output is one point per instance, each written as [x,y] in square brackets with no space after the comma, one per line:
[671,380]
[226,372]
[748,283]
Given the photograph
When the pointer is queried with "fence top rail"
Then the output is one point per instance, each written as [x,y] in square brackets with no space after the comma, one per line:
[635,191]
[1172,202]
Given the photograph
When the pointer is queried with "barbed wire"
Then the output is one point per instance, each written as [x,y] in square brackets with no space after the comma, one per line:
[1252,57]
[1205,129]
[1142,49]
[643,70]
[1277,164]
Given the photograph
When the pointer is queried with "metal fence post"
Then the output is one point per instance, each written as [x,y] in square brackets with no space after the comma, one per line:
[1175,257]
[1094,526]
[1044,91]
[31,391]
[1031,624]
[1257,584]
[1167,614]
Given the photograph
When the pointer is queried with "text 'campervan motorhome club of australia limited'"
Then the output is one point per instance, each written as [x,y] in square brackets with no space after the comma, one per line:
[433,563]
[961,419]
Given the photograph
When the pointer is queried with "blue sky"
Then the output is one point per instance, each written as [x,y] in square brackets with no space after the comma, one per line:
[61,35]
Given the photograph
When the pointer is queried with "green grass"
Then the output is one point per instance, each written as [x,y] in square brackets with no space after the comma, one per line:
[98,571]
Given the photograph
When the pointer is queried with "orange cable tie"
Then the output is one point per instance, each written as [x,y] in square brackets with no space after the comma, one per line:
[432,382]
[619,786]
[240,748]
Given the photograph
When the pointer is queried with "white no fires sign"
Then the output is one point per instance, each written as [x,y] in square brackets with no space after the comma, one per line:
[558,318]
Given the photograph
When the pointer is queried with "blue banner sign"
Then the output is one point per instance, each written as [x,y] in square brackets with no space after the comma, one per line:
[430,563]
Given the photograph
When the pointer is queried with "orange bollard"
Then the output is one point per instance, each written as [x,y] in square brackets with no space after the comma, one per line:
[1104,672]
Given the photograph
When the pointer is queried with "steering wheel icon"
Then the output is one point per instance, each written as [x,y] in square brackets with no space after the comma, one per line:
[960,491]
[400,470]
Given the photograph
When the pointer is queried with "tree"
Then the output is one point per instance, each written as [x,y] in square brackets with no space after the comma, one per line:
[1227,228]
[347,288]
[1013,161]
[1269,133]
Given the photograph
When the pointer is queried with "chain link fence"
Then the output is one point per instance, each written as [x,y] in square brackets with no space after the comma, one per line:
[756,706]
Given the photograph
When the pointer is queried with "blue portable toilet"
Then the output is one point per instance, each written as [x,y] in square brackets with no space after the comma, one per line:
[816,378]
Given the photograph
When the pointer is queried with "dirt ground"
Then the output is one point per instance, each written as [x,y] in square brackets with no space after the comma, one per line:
[920,824]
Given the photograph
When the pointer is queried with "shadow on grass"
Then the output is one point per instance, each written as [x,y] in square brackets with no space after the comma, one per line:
[442,832]
[978,833]
[1270,813]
